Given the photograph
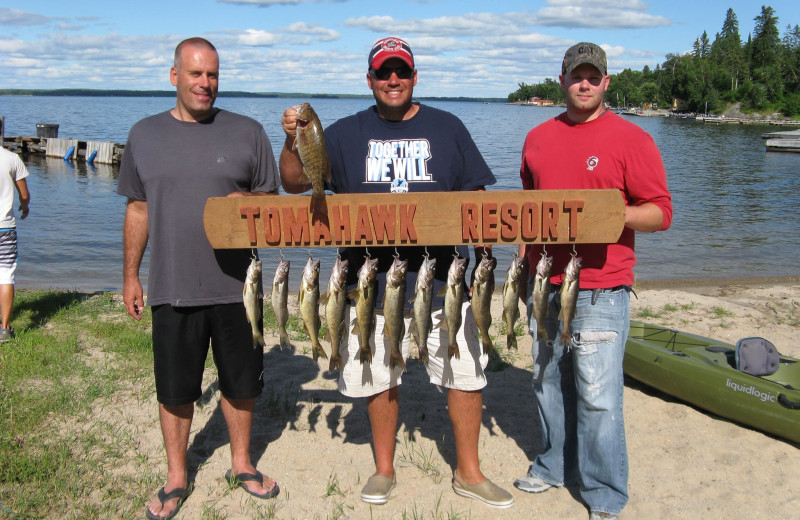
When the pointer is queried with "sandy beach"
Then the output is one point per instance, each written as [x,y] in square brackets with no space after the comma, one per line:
[684,463]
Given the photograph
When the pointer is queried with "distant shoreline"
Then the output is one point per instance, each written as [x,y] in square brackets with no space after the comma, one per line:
[223,94]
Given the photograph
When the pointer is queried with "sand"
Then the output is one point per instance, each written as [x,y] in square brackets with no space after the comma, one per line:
[684,463]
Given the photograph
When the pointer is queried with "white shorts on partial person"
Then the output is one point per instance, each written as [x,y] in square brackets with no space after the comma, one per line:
[8,256]
[465,373]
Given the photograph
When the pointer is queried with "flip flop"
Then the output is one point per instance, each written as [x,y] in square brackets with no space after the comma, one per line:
[181,493]
[241,478]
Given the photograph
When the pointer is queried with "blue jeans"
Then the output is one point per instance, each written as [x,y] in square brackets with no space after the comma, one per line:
[579,398]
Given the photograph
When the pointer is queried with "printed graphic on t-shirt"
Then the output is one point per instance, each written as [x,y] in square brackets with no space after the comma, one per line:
[398,162]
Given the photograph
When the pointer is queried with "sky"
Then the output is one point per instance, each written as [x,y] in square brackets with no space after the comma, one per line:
[463,48]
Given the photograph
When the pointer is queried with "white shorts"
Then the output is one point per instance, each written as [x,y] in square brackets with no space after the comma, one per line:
[357,380]
[8,256]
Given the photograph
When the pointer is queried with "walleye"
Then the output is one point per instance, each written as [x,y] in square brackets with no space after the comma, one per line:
[364,295]
[541,294]
[308,300]
[511,291]
[335,301]
[569,297]
[453,293]
[394,297]
[422,299]
[310,144]
[280,300]
[482,291]
[253,304]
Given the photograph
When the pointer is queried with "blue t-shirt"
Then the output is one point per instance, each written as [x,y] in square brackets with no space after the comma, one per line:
[432,151]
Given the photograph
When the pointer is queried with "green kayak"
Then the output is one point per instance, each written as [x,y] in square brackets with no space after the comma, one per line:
[703,372]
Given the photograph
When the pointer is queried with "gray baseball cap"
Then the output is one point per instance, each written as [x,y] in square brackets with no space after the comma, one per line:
[584,52]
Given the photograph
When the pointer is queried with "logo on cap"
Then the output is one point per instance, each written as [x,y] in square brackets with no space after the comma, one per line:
[387,48]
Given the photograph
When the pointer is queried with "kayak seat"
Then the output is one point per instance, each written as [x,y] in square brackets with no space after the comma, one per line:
[757,357]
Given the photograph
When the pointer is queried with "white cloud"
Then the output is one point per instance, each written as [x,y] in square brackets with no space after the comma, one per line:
[255,38]
[323,34]
[602,14]
[19,18]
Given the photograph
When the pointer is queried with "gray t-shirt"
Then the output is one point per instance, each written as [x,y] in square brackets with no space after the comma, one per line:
[175,167]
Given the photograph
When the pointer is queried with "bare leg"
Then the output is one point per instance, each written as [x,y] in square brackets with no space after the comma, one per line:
[239,418]
[466,409]
[6,303]
[176,422]
[383,409]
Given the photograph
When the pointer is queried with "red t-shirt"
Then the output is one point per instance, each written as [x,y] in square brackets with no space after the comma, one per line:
[607,152]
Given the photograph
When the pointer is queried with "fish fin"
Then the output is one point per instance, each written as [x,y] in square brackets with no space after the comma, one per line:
[324,298]
[352,293]
[442,292]
[294,143]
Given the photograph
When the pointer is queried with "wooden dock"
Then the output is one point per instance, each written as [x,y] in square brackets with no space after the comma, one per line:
[102,152]
[787,141]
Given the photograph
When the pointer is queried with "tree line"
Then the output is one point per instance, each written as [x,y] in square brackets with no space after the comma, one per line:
[763,73]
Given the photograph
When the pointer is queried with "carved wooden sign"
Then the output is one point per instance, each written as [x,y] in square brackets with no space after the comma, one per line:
[423,219]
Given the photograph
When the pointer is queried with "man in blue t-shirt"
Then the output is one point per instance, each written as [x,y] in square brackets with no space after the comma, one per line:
[398,146]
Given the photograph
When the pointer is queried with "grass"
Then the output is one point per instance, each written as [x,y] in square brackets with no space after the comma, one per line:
[412,453]
[71,350]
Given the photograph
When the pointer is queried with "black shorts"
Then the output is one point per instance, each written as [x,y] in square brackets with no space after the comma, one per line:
[181,337]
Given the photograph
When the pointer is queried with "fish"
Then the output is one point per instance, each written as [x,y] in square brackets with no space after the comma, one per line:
[511,292]
[569,297]
[335,301]
[394,327]
[253,303]
[540,294]
[280,300]
[308,300]
[482,291]
[422,300]
[364,296]
[453,293]
[310,144]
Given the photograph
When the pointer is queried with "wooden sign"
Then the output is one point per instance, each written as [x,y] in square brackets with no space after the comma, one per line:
[423,219]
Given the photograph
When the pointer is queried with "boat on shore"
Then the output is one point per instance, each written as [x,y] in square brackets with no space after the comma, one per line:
[702,371]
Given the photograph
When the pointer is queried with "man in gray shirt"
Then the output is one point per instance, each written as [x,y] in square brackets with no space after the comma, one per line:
[173,162]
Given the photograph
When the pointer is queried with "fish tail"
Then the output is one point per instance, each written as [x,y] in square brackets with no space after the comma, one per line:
[319,207]
[258,339]
[336,362]
[365,354]
[452,350]
[285,343]
[541,333]
[511,341]
[318,352]
[487,344]
[566,338]
[423,354]
[396,360]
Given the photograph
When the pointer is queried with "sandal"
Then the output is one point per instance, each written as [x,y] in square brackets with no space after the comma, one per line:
[163,497]
[241,478]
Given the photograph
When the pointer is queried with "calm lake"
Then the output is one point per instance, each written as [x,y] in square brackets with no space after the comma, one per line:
[735,204]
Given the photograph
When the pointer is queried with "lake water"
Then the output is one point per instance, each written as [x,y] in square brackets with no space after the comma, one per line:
[735,204]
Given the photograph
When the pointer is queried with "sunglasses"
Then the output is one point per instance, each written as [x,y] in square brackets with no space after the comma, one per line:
[384,73]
